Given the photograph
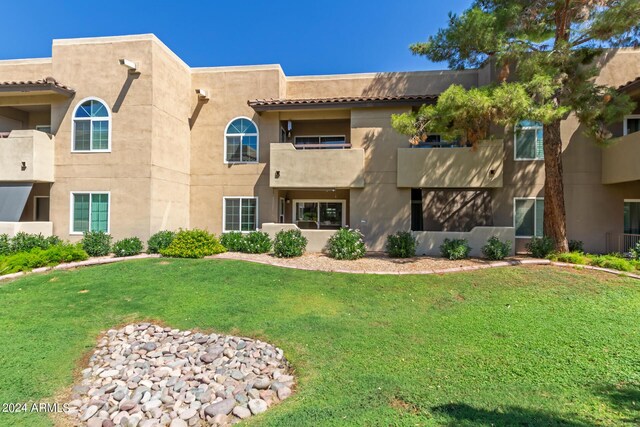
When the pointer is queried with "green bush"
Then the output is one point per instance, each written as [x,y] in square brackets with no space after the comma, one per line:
[5,245]
[495,249]
[401,245]
[127,247]
[96,243]
[455,249]
[540,247]
[614,262]
[256,242]
[346,244]
[576,246]
[233,241]
[193,244]
[37,257]
[635,251]
[574,257]
[24,242]
[160,240]
[289,243]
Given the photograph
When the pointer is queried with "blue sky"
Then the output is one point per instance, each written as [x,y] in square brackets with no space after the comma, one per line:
[305,37]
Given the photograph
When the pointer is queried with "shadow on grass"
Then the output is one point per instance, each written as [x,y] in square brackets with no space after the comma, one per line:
[624,398]
[466,415]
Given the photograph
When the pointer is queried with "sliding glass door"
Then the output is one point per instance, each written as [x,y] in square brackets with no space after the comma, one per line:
[319,214]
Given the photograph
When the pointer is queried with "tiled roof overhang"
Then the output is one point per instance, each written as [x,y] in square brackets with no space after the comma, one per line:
[48,84]
[260,105]
[630,86]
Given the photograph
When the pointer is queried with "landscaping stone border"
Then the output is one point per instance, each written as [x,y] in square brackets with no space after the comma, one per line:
[275,263]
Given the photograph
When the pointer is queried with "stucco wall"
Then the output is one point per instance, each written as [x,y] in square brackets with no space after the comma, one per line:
[429,241]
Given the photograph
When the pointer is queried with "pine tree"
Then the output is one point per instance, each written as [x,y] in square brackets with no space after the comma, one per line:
[547,54]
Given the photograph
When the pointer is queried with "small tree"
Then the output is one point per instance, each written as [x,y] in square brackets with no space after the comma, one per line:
[555,48]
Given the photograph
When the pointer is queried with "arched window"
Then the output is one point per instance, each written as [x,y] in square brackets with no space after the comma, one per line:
[91,126]
[241,141]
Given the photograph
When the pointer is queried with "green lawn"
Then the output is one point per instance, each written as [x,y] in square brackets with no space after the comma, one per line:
[534,346]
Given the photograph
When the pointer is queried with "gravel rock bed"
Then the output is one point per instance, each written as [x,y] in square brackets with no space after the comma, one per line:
[147,375]
[371,263]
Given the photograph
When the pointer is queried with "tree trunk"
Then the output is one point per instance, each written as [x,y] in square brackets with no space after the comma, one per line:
[555,221]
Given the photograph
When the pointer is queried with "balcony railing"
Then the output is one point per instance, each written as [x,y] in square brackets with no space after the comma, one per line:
[621,242]
[452,167]
[291,167]
[620,160]
[26,156]
[324,146]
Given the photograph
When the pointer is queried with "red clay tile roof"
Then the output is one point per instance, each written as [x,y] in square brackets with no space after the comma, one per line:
[48,83]
[629,84]
[277,104]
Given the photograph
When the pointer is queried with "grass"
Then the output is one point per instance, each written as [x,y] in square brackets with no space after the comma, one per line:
[534,346]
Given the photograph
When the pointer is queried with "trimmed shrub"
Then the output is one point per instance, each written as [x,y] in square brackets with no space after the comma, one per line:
[127,247]
[37,257]
[193,244]
[233,241]
[401,245]
[256,242]
[576,246]
[455,249]
[5,245]
[575,257]
[540,247]
[346,244]
[96,243]
[635,251]
[24,242]
[289,244]
[160,240]
[495,249]
[612,261]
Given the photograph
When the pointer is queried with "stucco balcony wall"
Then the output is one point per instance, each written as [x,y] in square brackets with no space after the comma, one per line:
[429,241]
[620,160]
[323,168]
[460,167]
[32,147]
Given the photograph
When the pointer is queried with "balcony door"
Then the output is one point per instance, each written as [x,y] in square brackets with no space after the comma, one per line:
[319,214]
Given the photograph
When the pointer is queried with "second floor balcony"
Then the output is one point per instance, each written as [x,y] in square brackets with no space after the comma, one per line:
[316,165]
[26,156]
[620,160]
[451,166]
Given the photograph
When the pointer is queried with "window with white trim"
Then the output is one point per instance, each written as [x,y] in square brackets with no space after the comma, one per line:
[240,214]
[528,140]
[89,212]
[528,217]
[241,141]
[91,126]
[631,124]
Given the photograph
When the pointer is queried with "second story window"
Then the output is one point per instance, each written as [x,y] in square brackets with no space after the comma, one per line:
[528,141]
[241,141]
[91,126]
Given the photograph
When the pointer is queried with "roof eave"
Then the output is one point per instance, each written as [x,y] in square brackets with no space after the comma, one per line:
[37,88]
[259,108]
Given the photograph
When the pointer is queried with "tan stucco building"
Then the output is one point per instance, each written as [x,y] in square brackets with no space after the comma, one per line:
[119,134]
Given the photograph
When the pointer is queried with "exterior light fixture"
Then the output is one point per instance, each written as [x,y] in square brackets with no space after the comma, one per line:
[130,65]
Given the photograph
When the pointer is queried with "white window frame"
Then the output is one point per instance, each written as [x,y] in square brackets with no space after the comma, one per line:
[71,198]
[282,207]
[35,206]
[224,213]
[91,119]
[257,135]
[535,217]
[625,129]
[627,201]
[515,142]
[341,201]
